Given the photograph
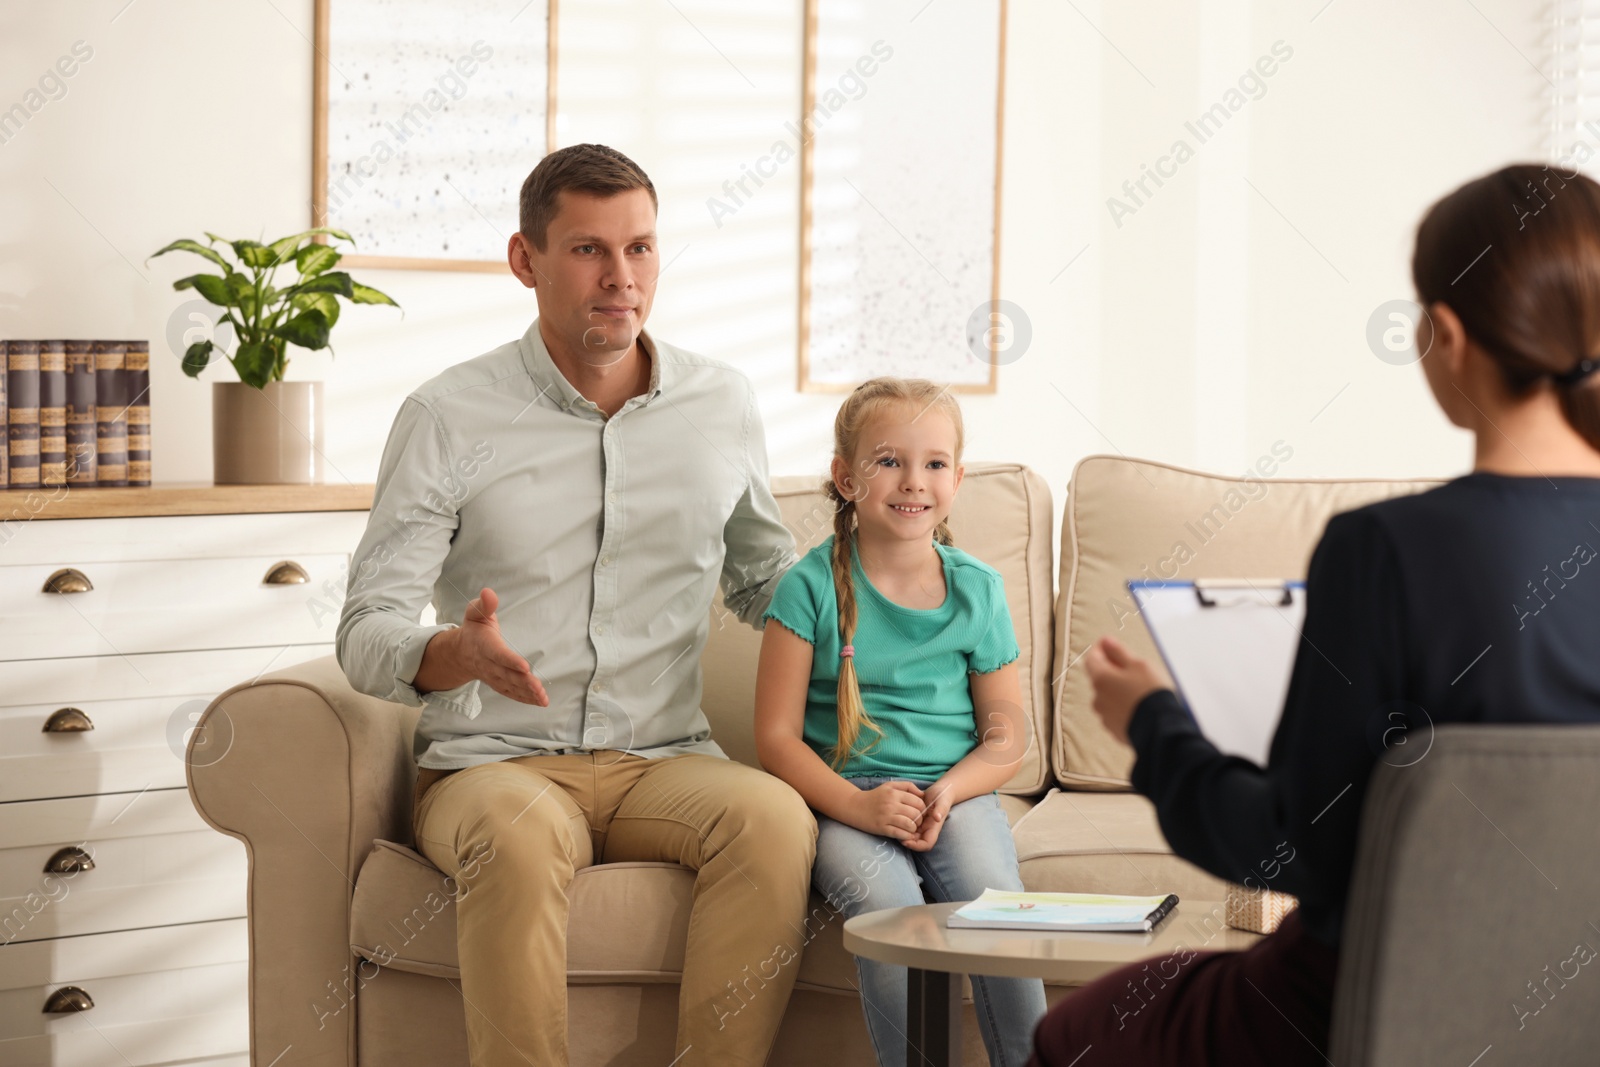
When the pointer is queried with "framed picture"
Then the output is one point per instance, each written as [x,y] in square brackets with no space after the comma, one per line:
[428,117]
[900,193]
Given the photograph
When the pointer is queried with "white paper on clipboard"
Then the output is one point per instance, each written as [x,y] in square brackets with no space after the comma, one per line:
[1230,647]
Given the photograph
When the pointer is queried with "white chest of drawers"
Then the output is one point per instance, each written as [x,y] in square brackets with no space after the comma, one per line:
[122,613]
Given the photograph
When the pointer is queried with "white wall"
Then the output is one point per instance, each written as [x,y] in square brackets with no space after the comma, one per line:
[1235,302]
[1224,314]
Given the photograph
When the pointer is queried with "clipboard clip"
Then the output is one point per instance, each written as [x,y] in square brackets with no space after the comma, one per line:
[1213,593]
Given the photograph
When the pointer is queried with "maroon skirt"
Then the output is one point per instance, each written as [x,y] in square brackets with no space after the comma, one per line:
[1267,1005]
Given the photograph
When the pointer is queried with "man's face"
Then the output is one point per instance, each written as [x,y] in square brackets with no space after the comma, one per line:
[596,277]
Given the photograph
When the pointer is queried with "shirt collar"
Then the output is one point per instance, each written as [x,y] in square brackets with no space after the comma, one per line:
[548,377]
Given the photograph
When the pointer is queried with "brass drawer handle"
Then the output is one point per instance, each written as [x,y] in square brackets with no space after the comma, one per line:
[68,721]
[69,860]
[68,998]
[286,572]
[67,580]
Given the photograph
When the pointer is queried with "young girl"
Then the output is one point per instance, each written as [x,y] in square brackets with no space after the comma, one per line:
[889,699]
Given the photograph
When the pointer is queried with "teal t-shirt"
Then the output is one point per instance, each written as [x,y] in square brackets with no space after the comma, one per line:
[912,664]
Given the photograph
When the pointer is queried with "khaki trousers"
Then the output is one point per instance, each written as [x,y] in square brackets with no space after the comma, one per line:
[513,832]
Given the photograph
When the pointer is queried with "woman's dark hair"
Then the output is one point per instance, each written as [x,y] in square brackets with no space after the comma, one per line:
[1516,256]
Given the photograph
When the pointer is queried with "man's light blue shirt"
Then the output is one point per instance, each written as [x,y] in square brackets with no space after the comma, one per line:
[604,539]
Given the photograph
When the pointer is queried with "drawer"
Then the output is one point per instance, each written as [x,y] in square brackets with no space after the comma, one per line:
[72,820]
[30,972]
[168,605]
[238,1059]
[136,1020]
[156,674]
[135,882]
[142,709]
[76,960]
[183,536]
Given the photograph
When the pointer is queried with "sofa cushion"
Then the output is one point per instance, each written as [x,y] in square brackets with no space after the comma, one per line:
[1002,516]
[1128,518]
[403,916]
[1077,842]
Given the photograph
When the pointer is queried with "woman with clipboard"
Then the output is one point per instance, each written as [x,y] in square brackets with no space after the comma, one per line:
[1478,601]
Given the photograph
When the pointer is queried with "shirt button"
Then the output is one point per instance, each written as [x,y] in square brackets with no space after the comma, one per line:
[605,561]
[599,687]
[599,629]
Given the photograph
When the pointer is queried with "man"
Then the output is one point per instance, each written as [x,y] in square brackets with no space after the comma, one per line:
[572,497]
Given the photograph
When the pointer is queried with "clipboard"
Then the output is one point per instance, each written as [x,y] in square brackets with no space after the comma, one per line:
[1230,647]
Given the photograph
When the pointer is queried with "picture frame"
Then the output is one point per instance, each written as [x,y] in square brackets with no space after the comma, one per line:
[897,329]
[377,84]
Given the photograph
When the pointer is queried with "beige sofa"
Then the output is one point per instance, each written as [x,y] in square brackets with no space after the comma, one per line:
[352,932]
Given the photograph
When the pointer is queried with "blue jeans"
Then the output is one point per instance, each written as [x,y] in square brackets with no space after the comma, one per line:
[859,872]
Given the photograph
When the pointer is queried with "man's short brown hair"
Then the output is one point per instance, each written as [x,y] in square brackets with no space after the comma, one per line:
[589,168]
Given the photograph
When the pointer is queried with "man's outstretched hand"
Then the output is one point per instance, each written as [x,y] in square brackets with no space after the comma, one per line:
[485,654]
[477,650]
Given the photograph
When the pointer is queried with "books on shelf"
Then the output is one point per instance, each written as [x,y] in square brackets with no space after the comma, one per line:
[999,909]
[81,414]
[52,413]
[75,413]
[111,412]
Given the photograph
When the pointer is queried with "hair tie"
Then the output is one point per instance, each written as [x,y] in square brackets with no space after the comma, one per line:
[847,650]
[1577,374]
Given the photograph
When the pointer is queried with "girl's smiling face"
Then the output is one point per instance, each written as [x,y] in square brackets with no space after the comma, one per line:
[904,475]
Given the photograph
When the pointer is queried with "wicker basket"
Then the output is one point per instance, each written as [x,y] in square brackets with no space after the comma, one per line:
[1257,910]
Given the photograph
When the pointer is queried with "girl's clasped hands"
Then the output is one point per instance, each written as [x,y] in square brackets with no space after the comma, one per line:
[903,811]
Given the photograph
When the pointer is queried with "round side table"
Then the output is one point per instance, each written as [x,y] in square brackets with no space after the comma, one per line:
[937,956]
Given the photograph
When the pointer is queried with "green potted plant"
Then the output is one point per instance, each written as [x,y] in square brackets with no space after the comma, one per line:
[264,429]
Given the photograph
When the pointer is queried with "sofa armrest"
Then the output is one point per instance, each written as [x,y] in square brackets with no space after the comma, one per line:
[307,772]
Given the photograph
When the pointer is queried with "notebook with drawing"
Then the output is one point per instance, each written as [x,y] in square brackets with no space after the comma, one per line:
[1230,647]
[999,909]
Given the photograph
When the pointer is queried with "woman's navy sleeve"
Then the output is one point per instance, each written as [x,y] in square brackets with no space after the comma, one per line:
[1292,826]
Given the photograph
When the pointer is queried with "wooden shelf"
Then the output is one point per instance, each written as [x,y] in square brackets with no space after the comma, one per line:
[179,498]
